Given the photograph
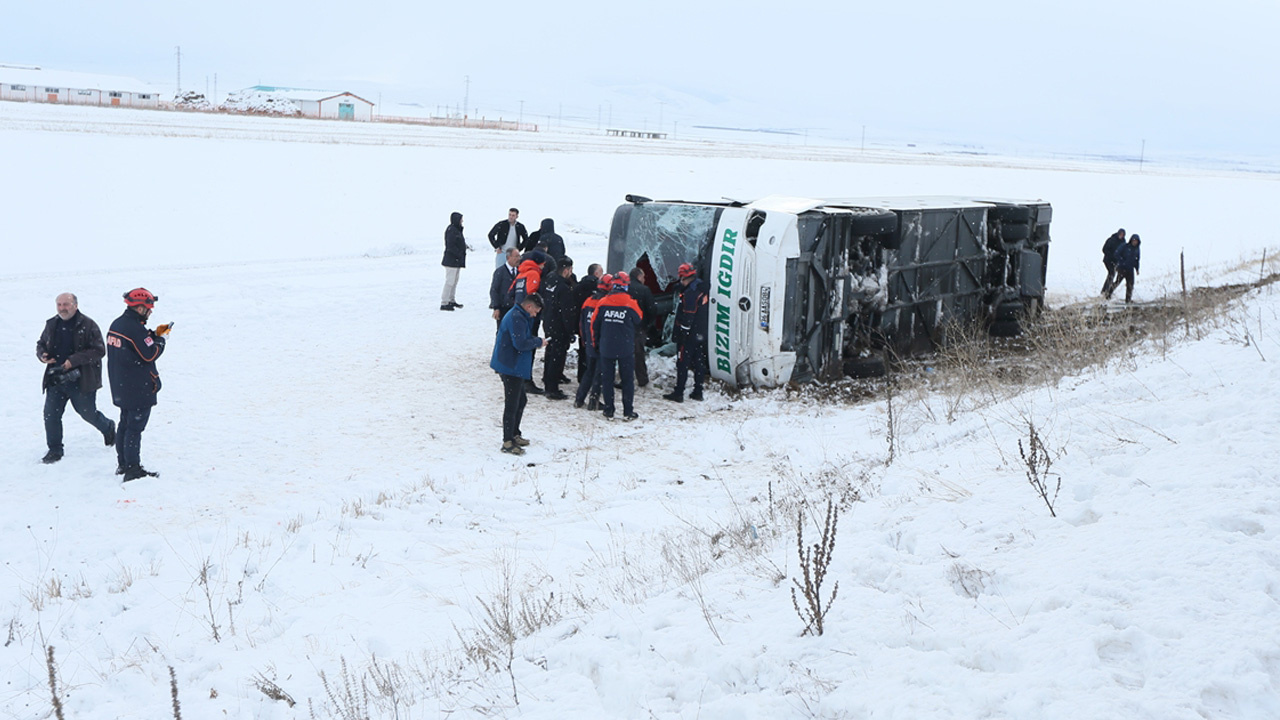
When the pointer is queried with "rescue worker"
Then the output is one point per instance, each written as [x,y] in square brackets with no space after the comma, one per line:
[513,361]
[132,351]
[690,334]
[613,328]
[71,347]
[588,360]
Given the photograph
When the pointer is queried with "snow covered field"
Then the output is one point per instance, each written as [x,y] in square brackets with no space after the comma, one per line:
[331,490]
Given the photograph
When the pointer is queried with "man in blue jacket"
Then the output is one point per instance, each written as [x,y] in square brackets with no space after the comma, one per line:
[132,351]
[1127,257]
[513,361]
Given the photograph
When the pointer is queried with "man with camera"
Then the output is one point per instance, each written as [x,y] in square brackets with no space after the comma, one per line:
[71,347]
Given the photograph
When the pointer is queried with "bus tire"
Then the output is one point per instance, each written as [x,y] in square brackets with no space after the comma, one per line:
[1006,311]
[1015,231]
[1005,328]
[1010,214]
[866,367]
[881,223]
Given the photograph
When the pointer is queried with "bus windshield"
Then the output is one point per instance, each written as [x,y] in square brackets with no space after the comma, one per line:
[669,234]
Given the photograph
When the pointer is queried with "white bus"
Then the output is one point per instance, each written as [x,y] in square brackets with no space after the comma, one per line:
[803,289]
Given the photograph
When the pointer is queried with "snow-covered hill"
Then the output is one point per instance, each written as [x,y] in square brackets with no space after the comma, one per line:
[333,523]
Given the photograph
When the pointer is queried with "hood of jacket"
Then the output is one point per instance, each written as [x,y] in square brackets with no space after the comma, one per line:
[455,219]
[548,226]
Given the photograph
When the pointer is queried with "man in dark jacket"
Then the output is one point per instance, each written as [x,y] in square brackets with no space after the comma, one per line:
[1128,256]
[507,234]
[1109,249]
[71,348]
[455,258]
[546,234]
[513,361]
[581,292]
[588,358]
[613,329]
[690,334]
[503,278]
[560,320]
[644,298]
[132,351]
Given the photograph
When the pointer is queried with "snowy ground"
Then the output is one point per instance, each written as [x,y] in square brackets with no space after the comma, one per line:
[331,490]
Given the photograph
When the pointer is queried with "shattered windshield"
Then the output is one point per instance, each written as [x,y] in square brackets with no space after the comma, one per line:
[669,234]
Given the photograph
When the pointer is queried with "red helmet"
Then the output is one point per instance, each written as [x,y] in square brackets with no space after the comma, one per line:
[686,270]
[605,281]
[140,296]
[621,280]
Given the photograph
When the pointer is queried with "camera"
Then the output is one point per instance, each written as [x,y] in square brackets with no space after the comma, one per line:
[58,376]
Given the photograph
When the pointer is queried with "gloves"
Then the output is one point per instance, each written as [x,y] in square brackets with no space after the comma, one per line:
[164,329]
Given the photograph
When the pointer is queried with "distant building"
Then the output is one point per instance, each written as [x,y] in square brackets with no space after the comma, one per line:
[323,103]
[32,84]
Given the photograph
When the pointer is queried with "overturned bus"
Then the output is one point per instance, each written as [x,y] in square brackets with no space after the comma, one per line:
[803,290]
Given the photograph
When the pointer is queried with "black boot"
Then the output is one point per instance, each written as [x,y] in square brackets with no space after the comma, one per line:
[676,395]
[137,471]
[51,457]
[696,394]
[593,402]
[531,388]
[109,437]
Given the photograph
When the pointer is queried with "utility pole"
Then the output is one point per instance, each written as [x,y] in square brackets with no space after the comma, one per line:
[1142,155]
[179,87]
[466,97]
[215,85]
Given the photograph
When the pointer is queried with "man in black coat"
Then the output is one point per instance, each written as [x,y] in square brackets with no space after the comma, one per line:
[561,324]
[644,298]
[581,291]
[547,235]
[507,234]
[1109,249]
[132,351]
[71,347]
[500,294]
[455,258]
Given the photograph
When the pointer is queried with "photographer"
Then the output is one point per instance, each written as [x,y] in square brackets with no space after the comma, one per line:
[71,348]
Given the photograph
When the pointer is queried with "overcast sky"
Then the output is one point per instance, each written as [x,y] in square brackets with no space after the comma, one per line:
[1091,75]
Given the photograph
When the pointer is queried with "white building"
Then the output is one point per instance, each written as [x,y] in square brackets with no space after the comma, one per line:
[33,84]
[324,103]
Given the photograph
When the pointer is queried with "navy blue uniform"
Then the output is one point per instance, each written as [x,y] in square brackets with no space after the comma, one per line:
[613,329]
[691,335]
[132,351]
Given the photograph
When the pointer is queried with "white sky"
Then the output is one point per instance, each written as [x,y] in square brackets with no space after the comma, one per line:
[1088,76]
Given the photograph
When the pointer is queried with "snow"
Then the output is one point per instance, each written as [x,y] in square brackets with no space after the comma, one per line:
[328,448]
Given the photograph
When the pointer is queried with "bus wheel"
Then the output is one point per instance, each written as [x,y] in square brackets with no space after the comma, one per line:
[1005,328]
[866,367]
